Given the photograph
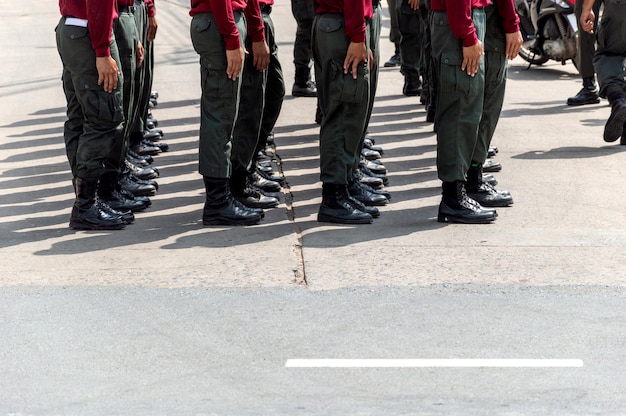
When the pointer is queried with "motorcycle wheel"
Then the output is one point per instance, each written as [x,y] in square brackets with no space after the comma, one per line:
[531,57]
[526,52]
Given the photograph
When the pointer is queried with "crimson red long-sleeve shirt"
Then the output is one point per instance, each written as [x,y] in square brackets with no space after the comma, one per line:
[510,19]
[150,7]
[99,15]
[223,12]
[354,11]
[460,17]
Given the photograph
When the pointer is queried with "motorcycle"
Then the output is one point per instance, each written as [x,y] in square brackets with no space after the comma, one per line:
[549,30]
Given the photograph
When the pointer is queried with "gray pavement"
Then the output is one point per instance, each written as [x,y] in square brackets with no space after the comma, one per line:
[168,317]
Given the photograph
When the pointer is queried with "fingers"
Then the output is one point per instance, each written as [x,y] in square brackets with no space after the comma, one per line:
[261,55]
[109,82]
[151,34]
[587,19]
[470,66]
[235,63]
[108,73]
[261,63]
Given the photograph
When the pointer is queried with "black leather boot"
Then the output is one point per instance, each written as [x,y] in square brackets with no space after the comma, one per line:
[85,213]
[457,207]
[412,85]
[587,95]
[615,124]
[127,216]
[138,187]
[303,86]
[361,193]
[357,175]
[484,193]
[337,207]
[220,208]
[109,192]
[248,196]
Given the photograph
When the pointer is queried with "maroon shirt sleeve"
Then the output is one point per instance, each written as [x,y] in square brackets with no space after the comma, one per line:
[100,23]
[256,29]
[460,20]
[150,7]
[355,12]
[510,19]
[223,12]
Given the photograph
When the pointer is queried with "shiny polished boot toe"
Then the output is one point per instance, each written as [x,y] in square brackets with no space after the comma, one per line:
[585,96]
[457,207]
[488,196]
[338,207]
[361,193]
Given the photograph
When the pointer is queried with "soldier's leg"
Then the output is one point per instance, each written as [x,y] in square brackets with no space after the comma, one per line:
[304,13]
[218,112]
[609,65]
[394,34]
[495,85]
[409,24]
[102,124]
[584,59]
[459,109]
[344,103]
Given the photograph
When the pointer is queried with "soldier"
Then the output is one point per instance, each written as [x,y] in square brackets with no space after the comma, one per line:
[609,61]
[91,76]
[261,99]
[342,59]
[218,31]
[458,31]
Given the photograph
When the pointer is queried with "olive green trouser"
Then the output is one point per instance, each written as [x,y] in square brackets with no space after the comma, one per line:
[220,95]
[410,26]
[275,88]
[144,74]
[94,116]
[425,51]
[344,101]
[304,13]
[495,82]
[260,101]
[459,98]
[126,39]
[374,42]
[394,32]
[611,51]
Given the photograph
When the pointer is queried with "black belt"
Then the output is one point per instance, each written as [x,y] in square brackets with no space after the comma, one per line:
[126,9]
[267,9]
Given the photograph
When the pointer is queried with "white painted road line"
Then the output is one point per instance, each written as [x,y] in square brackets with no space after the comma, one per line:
[436,362]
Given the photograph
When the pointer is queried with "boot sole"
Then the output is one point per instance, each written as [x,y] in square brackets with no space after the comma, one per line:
[501,204]
[615,125]
[463,220]
[225,221]
[577,104]
[99,228]
[326,218]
